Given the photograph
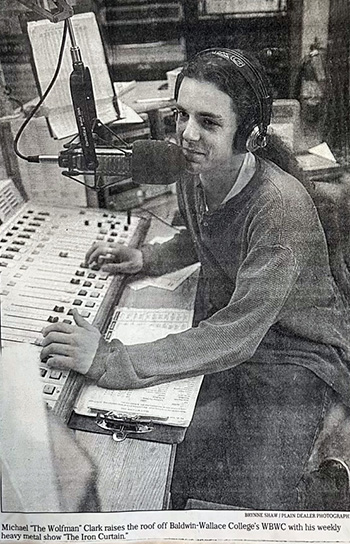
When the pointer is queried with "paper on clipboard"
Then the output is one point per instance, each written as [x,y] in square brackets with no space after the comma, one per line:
[169,281]
[171,403]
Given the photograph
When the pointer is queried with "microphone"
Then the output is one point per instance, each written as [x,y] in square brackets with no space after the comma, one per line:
[156,162]
[150,162]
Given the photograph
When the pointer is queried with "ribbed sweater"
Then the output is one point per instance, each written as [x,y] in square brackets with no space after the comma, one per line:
[266,293]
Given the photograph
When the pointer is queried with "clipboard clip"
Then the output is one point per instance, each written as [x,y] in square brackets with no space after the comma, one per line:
[122,426]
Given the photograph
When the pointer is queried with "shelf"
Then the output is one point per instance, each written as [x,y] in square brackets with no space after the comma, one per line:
[143,22]
[142,14]
[241,8]
[253,25]
[156,53]
[244,15]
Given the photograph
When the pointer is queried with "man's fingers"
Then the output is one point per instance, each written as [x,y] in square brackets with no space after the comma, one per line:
[100,252]
[55,349]
[57,327]
[90,251]
[114,268]
[61,362]
[94,252]
[80,321]
[56,337]
[105,257]
[127,267]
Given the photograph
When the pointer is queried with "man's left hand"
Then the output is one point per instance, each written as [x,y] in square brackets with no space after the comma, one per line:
[68,346]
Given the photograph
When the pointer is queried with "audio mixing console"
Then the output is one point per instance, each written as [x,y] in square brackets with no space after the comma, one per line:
[43,278]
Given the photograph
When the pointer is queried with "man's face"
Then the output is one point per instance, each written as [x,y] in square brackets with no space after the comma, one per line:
[206,126]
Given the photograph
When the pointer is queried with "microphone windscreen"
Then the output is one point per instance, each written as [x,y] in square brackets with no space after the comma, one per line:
[156,162]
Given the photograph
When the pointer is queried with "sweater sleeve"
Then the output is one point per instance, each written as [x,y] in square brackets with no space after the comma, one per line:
[228,338]
[177,253]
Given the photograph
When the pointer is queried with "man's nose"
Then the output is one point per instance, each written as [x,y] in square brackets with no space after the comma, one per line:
[191,131]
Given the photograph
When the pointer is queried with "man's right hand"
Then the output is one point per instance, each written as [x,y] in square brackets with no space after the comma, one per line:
[115,258]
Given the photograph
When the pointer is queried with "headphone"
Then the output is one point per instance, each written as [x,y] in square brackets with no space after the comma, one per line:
[252,132]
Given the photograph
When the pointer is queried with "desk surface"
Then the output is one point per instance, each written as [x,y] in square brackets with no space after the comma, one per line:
[135,474]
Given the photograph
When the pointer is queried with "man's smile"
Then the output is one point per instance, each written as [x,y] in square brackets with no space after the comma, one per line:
[192,153]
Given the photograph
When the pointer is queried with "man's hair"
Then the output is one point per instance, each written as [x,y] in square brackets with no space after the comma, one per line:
[279,153]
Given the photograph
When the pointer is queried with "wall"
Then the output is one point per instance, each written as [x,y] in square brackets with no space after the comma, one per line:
[315,23]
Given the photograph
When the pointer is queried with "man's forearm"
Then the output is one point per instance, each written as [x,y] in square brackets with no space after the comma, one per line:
[177,253]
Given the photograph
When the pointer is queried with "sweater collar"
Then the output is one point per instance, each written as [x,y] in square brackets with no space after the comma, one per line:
[245,174]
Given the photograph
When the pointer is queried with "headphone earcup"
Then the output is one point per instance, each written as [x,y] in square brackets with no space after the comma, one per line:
[256,139]
[249,138]
[245,138]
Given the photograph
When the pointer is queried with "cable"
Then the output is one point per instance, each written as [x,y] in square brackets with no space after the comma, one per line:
[42,99]
[95,187]
[159,218]
[99,124]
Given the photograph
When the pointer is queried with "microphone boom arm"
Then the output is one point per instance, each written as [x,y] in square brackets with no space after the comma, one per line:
[83,158]
[61,12]
[83,102]
[81,88]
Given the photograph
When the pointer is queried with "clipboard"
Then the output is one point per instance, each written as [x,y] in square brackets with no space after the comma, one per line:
[159,413]
[121,428]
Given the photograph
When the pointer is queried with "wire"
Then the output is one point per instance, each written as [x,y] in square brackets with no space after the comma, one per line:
[99,124]
[159,218]
[95,187]
[8,92]
[70,176]
[111,184]
[42,99]
[71,144]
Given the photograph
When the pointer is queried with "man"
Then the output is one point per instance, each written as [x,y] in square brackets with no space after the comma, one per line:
[271,333]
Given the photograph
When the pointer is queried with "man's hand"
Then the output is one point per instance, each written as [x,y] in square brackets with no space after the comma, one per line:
[70,346]
[115,258]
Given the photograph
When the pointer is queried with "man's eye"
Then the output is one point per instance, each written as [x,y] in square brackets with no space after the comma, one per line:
[209,123]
